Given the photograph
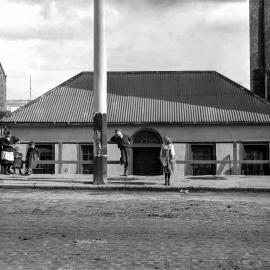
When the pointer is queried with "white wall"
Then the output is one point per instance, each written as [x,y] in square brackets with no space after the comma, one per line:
[196,133]
[69,153]
[70,135]
[224,151]
[180,154]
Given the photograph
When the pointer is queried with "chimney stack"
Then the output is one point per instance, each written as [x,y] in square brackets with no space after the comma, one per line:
[259,47]
[3,91]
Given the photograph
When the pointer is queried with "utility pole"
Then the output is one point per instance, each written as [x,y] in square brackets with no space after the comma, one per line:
[100,95]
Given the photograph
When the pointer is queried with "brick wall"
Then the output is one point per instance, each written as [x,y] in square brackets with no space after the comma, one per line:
[258,75]
[2,92]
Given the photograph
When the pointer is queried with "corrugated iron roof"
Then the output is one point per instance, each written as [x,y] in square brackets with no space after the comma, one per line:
[191,97]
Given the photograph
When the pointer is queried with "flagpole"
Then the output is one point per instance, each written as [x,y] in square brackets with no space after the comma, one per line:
[100,95]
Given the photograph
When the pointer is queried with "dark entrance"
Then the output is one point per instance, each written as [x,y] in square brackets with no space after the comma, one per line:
[146,149]
[146,161]
[255,152]
[203,152]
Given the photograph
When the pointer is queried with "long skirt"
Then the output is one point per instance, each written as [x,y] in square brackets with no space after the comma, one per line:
[7,157]
[18,164]
[32,161]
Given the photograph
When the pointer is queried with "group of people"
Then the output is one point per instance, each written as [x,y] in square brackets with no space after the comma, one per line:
[12,158]
[167,154]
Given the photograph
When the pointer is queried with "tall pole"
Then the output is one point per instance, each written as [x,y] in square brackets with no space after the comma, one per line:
[100,95]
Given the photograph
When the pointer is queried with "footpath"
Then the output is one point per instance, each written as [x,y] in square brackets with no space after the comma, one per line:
[139,183]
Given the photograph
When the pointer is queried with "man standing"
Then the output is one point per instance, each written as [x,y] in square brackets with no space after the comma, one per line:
[123,143]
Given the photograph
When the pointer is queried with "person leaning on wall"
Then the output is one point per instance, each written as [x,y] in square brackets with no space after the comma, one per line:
[123,142]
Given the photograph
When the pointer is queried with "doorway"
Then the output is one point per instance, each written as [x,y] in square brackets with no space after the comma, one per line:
[146,149]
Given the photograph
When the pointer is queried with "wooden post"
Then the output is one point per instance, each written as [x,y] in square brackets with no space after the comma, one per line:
[100,95]
[60,156]
[235,170]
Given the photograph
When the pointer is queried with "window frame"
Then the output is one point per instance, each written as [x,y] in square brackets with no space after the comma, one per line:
[213,166]
[247,168]
[43,166]
[82,167]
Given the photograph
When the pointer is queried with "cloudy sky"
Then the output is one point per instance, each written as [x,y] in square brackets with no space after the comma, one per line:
[52,40]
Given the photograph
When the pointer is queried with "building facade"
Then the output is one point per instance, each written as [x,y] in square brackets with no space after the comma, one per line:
[260,47]
[218,127]
[15,104]
[3,91]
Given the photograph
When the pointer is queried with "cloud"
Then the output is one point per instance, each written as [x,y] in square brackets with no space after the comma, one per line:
[56,38]
[69,19]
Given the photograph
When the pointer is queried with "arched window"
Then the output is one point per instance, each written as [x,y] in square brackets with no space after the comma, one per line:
[147,137]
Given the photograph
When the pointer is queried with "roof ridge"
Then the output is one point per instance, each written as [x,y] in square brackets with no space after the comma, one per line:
[242,88]
[1,68]
[150,72]
[71,79]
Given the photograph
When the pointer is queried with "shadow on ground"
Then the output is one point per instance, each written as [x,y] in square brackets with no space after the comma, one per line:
[207,177]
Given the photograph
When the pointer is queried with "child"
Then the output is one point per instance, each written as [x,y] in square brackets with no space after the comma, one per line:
[18,164]
[32,158]
[167,157]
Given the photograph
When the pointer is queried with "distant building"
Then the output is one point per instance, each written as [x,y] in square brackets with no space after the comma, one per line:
[3,91]
[218,126]
[7,106]
[260,47]
[13,105]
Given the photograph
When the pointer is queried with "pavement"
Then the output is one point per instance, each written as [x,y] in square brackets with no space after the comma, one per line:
[138,183]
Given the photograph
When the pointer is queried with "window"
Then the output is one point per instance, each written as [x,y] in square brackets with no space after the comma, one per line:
[203,152]
[255,152]
[86,153]
[46,153]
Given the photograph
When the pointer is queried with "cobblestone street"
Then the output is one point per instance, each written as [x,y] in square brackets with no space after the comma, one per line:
[102,230]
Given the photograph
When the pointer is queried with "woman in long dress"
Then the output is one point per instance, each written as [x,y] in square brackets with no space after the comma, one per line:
[32,158]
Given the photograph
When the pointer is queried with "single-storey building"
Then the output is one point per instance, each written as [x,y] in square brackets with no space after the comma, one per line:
[218,126]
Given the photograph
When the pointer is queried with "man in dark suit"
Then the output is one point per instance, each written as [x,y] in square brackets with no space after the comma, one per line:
[123,142]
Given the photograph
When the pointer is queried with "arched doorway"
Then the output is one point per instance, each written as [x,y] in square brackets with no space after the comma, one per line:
[146,149]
